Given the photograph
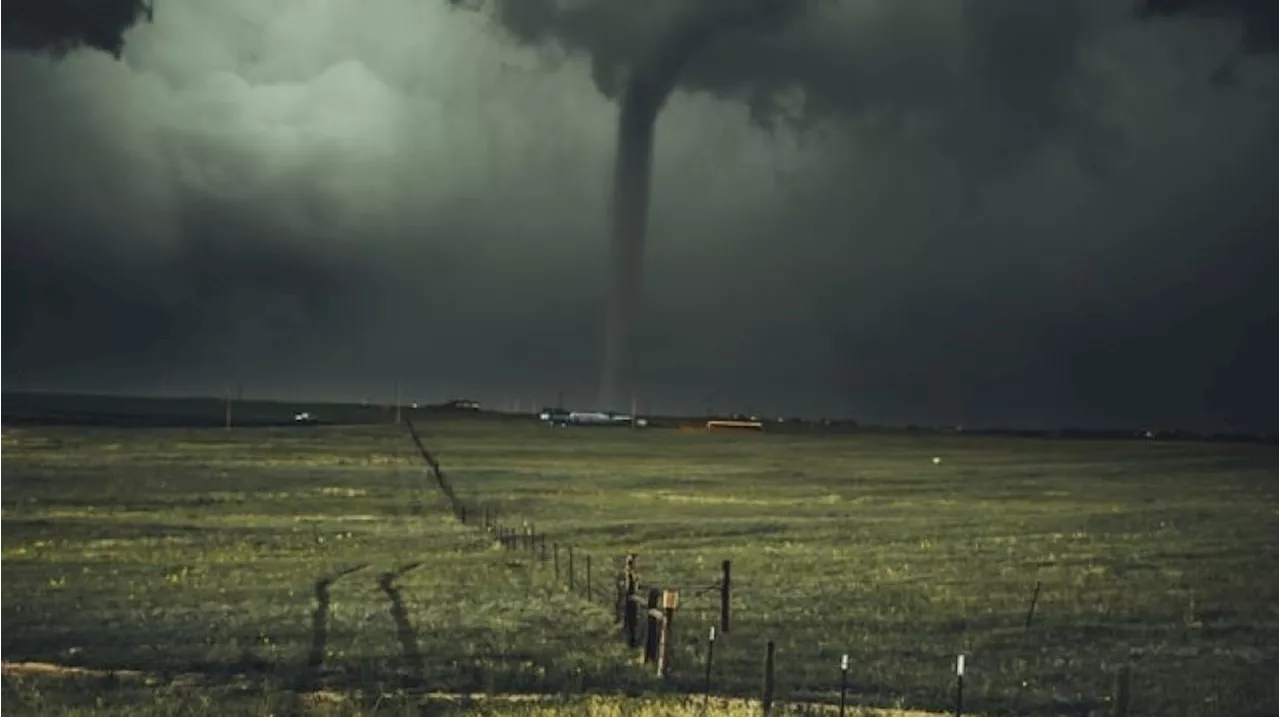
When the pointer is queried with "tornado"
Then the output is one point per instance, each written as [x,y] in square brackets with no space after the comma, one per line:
[646,90]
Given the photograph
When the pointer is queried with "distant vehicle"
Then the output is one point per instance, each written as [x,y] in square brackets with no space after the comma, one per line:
[305,417]
[735,425]
[594,418]
[462,404]
[562,417]
[554,416]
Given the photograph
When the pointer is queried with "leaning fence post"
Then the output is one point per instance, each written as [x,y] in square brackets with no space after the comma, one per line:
[462,514]
[766,698]
[1031,610]
[724,596]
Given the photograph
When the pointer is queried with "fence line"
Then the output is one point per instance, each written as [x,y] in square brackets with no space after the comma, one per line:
[660,604]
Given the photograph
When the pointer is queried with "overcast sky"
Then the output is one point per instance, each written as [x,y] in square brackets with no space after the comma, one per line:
[993,212]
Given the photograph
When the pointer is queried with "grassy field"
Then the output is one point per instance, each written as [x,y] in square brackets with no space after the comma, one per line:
[277,569]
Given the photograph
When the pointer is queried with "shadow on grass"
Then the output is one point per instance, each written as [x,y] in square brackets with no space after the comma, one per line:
[320,627]
[405,633]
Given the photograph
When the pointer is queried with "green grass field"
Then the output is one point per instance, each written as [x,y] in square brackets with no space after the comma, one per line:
[255,569]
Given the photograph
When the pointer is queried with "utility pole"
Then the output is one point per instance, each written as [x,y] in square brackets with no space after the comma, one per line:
[227,396]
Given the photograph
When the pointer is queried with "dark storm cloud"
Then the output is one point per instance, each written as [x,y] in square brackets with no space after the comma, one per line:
[58,26]
[949,212]
[1258,18]
[986,78]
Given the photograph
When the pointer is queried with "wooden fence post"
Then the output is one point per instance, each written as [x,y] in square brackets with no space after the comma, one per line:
[619,595]
[588,577]
[766,698]
[1122,691]
[651,625]
[570,568]
[555,556]
[670,601]
[629,607]
[724,596]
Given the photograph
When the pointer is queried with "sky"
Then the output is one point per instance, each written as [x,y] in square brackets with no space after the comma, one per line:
[979,213]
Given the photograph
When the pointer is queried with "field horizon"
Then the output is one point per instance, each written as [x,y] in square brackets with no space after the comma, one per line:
[324,559]
[54,408]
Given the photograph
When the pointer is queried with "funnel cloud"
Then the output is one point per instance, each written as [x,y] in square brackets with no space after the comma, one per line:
[650,82]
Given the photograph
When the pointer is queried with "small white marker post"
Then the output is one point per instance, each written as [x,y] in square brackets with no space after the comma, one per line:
[711,650]
[670,601]
[959,684]
[844,680]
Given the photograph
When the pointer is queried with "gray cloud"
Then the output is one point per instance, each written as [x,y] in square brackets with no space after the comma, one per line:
[987,79]
[918,213]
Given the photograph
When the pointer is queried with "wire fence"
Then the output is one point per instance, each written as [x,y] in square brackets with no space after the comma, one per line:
[647,611]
